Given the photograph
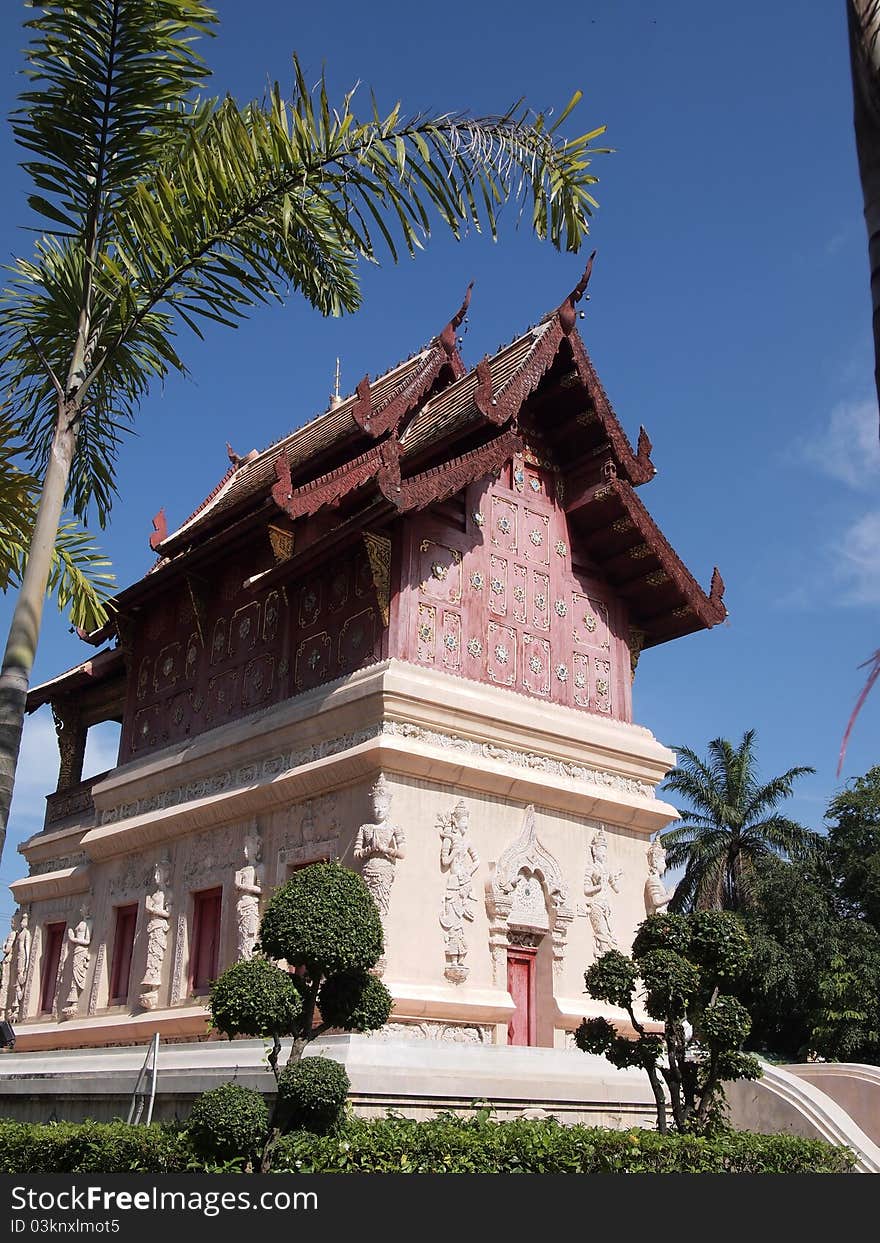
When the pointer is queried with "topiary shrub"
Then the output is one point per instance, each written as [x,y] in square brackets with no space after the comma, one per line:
[312,1094]
[324,919]
[325,925]
[355,1001]
[228,1121]
[255,998]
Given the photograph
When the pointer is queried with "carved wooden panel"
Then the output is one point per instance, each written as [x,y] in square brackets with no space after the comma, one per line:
[439,571]
[427,633]
[244,631]
[501,654]
[168,668]
[504,523]
[257,681]
[536,664]
[310,603]
[312,663]
[271,615]
[358,640]
[536,537]
[218,641]
[498,572]
[590,622]
[338,588]
[143,677]
[222,698]
[539,587]
[451,640]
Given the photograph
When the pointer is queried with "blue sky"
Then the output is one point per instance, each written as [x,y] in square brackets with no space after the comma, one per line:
[729,313]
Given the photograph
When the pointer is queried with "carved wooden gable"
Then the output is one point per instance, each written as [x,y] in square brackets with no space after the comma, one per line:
[490,592]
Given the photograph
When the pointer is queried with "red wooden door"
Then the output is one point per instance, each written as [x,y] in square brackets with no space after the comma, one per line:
[521,985]
[123,943]
[206,938]
[54,934]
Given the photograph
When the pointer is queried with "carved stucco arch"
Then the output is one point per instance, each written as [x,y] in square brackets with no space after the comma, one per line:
[508,901]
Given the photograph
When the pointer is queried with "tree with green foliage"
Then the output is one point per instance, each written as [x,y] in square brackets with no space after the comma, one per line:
[162,209]
[853,819]
[730,827]
[324,924]
[689,969]
[813,988]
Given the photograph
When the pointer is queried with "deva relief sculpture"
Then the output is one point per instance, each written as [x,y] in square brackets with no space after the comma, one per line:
[158,908]
[378,846]
[80,939]
[248,888]
[460,861]
[599,884]
[656,896]
[21,961]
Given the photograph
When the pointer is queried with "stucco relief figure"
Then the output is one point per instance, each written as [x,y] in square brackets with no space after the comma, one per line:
[249,887]
[21,959]
[7,955]
[656,896]
[80,939]
[379,846]
[158,908]
[460,861]
[599,884]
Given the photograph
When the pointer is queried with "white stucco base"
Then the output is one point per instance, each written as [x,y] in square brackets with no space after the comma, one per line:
[415,1077]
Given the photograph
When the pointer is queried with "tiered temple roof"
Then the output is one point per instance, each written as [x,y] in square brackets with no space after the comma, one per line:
[421,432]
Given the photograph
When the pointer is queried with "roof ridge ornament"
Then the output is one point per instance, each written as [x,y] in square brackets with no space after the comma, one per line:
[565,312]
[716,591]
[484,395]
[447,337]
[160,529]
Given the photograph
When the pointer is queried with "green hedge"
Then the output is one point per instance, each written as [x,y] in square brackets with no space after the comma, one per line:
[92,1147]
[448,1145]
[443,1145]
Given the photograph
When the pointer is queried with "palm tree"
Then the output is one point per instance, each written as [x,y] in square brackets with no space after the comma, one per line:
[163,211]
[730,827]
[79,576]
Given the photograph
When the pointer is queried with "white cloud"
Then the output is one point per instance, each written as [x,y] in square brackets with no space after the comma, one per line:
[848,449]
[857,560]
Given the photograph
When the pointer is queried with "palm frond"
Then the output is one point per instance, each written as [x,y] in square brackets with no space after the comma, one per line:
[107,80]
[80,576]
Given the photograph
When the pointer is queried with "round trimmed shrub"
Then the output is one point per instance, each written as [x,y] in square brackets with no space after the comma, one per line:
[662,932]
[255,998]
[611,978]
[324,919]
[355,1001]
[229,1121]
[312,1095]
[670,983]
[725,1023]
[720,944]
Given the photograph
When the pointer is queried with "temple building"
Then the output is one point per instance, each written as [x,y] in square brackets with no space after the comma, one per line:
[403,636]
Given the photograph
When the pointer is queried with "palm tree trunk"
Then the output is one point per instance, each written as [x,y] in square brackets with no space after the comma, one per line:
[864,48]
[21,644]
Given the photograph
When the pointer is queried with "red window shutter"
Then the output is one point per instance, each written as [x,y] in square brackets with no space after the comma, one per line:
[205,954]
[54,934]
[123,944]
